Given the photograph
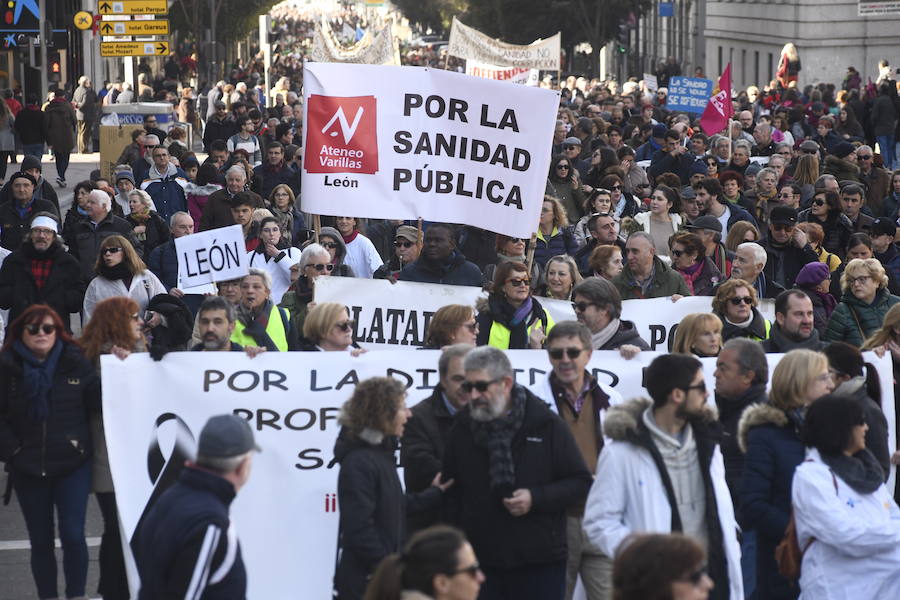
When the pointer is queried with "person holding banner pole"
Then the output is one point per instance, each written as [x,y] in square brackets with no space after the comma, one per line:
[511,318]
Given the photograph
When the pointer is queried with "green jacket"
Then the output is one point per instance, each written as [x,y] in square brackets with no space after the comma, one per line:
[853,321]
[666,282]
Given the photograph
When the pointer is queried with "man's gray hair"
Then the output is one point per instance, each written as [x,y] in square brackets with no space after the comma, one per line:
[101,198]
[750,357]
[602,293]
[490,359]
[451,352]
[820,182]
[743,144]
[236,169]
[721,141]
[777,157]
[864,147]
[311,252]
[644,236]
[781,146]
[222,466]
[217,303]
[177,214]
[759,253]
[263,274]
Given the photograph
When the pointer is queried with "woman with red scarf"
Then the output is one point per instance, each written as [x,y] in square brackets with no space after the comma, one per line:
[689,259]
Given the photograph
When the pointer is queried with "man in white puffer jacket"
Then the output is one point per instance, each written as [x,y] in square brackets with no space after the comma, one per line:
[663,472]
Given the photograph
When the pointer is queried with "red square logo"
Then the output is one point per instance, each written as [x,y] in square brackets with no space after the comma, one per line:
[341,135]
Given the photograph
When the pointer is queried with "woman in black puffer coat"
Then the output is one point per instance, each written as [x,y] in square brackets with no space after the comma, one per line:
[47,392]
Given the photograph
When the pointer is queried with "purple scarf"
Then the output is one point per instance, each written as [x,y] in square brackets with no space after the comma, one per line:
[522,312]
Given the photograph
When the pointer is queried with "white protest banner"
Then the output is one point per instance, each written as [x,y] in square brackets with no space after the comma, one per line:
[210,256]
[380,49]
[650,82]
[286,515]
[470,44]
[522,75]
[411,142]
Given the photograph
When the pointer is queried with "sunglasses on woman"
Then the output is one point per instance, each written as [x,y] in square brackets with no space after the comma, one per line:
[33,328]
[518,282]
[322,267]
[745,299]
[818,202]
[345,325]
[329,245]
[111,250]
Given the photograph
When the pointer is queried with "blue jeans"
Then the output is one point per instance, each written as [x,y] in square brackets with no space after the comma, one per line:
[535,582]
[748,562]
[33,150]
[886,145]
[62,163]
[69,495]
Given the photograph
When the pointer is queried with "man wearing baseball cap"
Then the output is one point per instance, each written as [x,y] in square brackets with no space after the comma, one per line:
[709,230]
[787,247]
[407,248]
[572,150]
[40,271]
[886,251]
[186,545]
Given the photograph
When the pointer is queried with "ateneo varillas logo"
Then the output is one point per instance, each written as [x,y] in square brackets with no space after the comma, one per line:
[341,135]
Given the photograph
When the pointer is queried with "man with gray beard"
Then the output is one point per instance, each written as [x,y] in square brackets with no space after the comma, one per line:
[517,470]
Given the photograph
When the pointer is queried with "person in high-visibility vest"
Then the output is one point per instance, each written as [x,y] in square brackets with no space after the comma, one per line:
[259,321]
[735,303]
[512,319]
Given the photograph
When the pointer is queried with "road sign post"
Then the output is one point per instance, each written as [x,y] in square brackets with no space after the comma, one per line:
[159,48]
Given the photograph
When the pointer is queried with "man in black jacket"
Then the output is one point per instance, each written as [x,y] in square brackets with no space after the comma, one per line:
[599,306]
[787,247]
[426,433]
[89,234]
[41,272]
[441,262]
[276,171]
[517,471]
[794,324]
[16,215]
[187,536]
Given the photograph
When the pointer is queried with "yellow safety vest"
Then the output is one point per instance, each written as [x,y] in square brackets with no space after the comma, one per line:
[499,336]
[275,328]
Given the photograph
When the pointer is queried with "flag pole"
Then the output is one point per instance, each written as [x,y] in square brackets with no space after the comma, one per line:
[730,143]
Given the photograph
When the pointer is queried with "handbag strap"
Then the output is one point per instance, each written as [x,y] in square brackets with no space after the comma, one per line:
[863,335]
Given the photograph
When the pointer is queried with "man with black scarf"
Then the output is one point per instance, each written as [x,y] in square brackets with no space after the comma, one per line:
[517,470]
[41,272]
[794,325]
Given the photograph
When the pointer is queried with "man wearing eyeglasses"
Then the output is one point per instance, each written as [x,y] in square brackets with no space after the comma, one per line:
[876,180]
[663,471]
[572,150]
[517,470]
[598,305]
[787,247]
[582,402]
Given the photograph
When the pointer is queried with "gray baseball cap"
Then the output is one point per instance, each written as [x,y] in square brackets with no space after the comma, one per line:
[226,436]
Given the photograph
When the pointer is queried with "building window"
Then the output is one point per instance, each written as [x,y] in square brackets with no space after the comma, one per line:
[743,67]
[770,67]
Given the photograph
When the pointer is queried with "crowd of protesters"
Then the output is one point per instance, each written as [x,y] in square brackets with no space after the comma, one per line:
[549,487]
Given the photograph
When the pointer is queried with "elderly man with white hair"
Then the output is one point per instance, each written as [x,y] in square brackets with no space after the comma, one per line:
[876,180]
[101,223]
[748,264]
[217,212]
[315,262]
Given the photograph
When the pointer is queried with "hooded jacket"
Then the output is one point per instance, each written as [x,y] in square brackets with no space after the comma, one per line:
[843,170]
[455,270]
[853,321]
[666,282]
[340,252]
[771,442]
[632,492]
[167,190]
[547,463]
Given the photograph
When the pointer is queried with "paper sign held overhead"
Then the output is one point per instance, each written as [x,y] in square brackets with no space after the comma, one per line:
[210,256]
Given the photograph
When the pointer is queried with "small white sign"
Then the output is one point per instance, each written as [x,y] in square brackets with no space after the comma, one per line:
[210,256]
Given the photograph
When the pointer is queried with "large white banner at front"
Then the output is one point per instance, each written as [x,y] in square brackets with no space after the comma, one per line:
[470,44]
[287,515]
[397,315]
[409,142]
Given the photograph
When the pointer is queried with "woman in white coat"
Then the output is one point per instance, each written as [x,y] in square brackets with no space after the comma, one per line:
[847,522]
[121,272]
[275,255]
[662,221]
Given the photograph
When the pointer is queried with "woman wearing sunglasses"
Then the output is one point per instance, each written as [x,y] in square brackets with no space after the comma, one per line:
[315,262]
[436,564]
[451,324]
[510,249]
[689,259]
[50,391]
[863,306]
[274,254]
[769,436]
[329,328]
[563,184]
[735,303]
[510,318]
[826,212]
[121,272]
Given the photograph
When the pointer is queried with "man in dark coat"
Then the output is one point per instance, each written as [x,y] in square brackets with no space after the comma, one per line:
[427,431]
[787,247]
[517,470]
[163,261]
[41,272]
[441,262]
[101,224]
[187,536]
[217,212]
[220,126]
[59,121]
[599,306]
[15,216]
[794,325]
[477,245]
[274,171]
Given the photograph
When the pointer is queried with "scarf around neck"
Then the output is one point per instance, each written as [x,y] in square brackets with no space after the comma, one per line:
[599,339]
[860,471]
[351,237]
[496,437]
[38,378]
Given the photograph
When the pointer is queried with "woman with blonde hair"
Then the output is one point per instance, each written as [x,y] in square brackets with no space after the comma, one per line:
[805,173]
[554,236]
[699,334]
[740,232]
[560,277]
[788,66]
[329,328]
[148,227]
[451,324]
[769,434]
[121,272]
[863,306]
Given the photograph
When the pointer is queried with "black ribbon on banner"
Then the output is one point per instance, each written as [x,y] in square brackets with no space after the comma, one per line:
[164,472]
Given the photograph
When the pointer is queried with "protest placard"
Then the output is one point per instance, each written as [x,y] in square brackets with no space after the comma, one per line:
[410,142]
[380,49]
[688,94]
[210,256]
[286,516]
[521,75]
[650,82]
[470,44]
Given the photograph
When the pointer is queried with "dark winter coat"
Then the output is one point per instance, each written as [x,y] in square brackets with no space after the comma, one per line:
[706,282]
[563,242]
[890,260]
[843,170]
[456,270]
[85,245]
[63,291]
[217,212]
[547,463]
[730,411]
[13,227]
[30,126]
[373,510]
[270,176]
[62,443]
[854,321]
[627,333]
[156,231]
[477,245]
[877,435]
[771,441]
[59,121]
[43,191]
[837,228]
[666,282]
[883,116]
[785,262]
[217,129]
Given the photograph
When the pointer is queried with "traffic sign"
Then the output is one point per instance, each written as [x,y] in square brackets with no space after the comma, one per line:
[133,7]
[155,27]
[84,20]
[134,49]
